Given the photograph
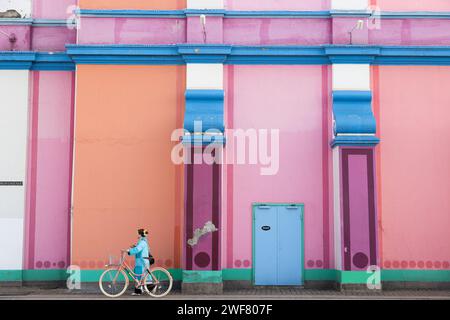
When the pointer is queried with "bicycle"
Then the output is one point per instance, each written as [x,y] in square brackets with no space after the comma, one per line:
[114,281]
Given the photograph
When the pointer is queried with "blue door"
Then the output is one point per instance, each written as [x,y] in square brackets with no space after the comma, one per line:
[266,248]
[278,244]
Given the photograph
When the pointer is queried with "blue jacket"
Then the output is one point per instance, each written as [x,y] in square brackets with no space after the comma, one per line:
[140,251]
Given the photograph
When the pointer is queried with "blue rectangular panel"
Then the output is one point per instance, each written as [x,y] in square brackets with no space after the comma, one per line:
[289,270]
[265,263]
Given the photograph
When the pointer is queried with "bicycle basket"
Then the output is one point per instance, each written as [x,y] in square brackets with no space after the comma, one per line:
[114,261]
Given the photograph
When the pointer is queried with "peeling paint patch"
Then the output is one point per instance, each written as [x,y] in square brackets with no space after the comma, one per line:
[15,9]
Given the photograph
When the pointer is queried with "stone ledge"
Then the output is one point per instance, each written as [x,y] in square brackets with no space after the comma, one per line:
[202,288]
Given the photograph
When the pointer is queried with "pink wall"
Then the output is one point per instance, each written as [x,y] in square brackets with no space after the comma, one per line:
[131,31]
[258,31]
[22,34]
[49,177]
[277,31]
[413,5]
[52,38]
[412,32]
[51,9]
[288,98]
[394,32]
[414,160]
[278,5]
[213,31]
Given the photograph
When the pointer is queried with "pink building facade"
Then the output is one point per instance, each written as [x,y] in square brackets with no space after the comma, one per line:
[327,120]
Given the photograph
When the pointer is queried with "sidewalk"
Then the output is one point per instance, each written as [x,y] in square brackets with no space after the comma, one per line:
[27,293]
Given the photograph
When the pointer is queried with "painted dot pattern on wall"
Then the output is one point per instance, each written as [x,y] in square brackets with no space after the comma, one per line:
[314,264]
[428,264]
[242,263]
[99,264]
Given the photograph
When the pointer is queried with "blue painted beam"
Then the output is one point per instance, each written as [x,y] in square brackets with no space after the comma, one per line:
[16,60]
[229,54]
[355,141]
[41,61]
[50,61]
[286,14]
[131,13]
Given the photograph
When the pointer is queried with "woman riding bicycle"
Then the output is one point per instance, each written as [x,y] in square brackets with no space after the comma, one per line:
[141,252]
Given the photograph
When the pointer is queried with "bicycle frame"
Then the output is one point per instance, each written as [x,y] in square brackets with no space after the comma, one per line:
[128,270]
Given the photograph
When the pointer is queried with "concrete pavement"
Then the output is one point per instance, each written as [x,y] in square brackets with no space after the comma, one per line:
[35,293]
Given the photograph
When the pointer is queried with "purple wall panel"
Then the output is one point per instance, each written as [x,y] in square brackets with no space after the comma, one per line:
[359,216]
[202,192]
[202,213]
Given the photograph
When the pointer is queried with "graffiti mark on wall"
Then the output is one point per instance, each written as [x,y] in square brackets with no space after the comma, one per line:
[209,227]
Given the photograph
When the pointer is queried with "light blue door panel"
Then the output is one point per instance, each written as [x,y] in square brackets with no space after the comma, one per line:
[289,245]
[278,242]
[265,245]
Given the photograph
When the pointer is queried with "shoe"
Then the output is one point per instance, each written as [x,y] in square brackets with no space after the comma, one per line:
[137,292]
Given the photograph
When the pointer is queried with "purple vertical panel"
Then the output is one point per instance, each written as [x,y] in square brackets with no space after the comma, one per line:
[216,200]
[359,216]
[189,208]
[203,191]
[359,211]
[203,187]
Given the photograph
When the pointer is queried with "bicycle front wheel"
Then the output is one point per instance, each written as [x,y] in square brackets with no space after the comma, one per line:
[113,282]
[158,282]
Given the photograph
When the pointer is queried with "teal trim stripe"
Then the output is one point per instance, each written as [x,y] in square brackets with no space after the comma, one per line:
[33,275]
[239,275]
[10,275]
[45,275]
[194,276]
[94,275]
[353,277]
[416,275]
[321,274]
[61,275]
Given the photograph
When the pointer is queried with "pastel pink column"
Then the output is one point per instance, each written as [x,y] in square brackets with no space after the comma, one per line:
[50,171]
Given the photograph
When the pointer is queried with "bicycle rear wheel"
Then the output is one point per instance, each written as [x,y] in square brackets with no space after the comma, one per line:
[158,282]
[113,282]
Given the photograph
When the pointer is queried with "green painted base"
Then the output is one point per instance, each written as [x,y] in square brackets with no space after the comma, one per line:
[344,277]
[190,276]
